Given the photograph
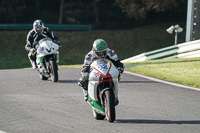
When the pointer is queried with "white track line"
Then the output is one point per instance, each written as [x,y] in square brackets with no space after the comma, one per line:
[162,81]
[2,132]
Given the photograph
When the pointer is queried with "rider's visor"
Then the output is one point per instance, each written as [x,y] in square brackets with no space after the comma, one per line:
[39,29]
[102,54]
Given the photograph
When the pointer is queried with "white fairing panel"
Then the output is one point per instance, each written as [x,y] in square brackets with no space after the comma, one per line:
[93,89]
[114,72]
[46,47]
[100,69]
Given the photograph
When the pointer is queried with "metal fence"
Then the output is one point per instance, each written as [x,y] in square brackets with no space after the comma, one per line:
[51,26]
[196,19]
[185,50]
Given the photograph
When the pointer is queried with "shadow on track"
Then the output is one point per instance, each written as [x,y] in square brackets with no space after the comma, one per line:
[143,121]
[68,81]
[138,82]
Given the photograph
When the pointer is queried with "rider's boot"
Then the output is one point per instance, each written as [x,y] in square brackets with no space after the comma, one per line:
[43,69]
[84,83]
[116,95]
[33,63]
[116,101]
[85,94]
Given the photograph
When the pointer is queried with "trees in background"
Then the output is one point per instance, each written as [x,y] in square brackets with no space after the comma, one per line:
[11,10]
[99,13]
[139,9]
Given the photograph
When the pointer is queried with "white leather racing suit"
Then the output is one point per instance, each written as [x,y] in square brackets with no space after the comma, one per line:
[112,56]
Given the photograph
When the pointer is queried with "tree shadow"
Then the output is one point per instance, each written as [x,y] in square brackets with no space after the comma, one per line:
[68,81]
[138,82]
[76,81]
[143,121]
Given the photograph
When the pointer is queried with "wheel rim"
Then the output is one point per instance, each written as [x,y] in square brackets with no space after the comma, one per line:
[106,108]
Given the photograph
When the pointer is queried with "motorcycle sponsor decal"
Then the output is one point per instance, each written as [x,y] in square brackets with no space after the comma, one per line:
[41,49]
[48,50]
[103,67]
[108,69]
[97,74]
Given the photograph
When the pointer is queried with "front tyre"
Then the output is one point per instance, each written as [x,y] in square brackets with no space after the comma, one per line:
[53,70]
[109,98]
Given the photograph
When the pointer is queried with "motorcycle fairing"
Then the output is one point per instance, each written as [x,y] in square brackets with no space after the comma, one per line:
[102,72]
[46,47]
[96,105]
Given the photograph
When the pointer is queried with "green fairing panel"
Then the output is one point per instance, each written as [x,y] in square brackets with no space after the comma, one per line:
[57,56]
[40,59]
[96,104]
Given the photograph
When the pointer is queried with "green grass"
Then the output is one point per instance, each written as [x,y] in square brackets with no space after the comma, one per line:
[72,66]
[126,43]
[182,71]
[76,44]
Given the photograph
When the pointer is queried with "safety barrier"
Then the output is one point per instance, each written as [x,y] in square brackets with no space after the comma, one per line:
[184,50]
[51,26]
[162,53]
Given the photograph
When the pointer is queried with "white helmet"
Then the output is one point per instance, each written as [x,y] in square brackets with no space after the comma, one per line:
[38,26]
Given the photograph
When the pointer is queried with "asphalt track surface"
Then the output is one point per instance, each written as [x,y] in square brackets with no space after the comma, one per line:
[29,105]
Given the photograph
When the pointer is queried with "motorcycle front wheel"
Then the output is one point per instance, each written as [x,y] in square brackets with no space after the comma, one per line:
[53,70]
[109,98]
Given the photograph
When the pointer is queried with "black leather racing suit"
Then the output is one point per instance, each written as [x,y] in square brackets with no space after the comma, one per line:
[33,38]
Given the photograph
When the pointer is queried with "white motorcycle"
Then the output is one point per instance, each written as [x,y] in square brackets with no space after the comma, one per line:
[102,89]
[47,59]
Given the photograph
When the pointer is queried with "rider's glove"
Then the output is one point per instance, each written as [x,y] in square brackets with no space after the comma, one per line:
[32,53]
[57,42]
[32,50]
[120,69]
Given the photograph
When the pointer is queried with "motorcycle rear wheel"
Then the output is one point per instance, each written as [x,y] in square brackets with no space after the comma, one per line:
[54,70]
[110,105]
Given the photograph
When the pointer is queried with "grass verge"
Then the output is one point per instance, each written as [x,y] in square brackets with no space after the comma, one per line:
[76,44]
[182,71]
[72,66]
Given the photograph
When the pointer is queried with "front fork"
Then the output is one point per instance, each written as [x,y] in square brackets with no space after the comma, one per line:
[57,57]
[102,93]
[42,66]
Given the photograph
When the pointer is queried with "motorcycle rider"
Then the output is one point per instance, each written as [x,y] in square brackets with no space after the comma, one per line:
[34,36]
[99,50]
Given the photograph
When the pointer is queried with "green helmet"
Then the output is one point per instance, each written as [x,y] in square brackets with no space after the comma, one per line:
[100,48]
